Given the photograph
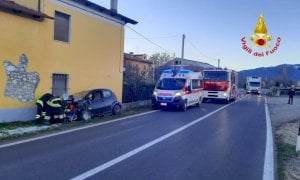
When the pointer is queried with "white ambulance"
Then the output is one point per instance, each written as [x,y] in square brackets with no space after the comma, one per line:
[178,88]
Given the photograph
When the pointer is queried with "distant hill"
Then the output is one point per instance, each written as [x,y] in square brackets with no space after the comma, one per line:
[289,72]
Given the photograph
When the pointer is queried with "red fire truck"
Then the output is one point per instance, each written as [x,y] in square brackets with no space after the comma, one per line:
[220,84]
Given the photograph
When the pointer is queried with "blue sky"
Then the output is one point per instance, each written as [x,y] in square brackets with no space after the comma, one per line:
[213,29]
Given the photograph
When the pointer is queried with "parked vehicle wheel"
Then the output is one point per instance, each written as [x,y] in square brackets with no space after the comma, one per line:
[86,115]
[184,106]
[226,101]
[116,109]
[199,102]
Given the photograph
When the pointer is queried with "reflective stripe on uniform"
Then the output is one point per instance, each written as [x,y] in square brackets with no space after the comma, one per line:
[43,113]
[53,103]
[40,102]
[55,99]
[37,116]
[47,117]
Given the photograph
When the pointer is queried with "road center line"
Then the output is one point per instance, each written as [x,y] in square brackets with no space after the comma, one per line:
[269,155]
[143,147]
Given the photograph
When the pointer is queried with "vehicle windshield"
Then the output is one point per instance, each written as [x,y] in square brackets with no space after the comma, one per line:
[80,95]
[255,84]
[215,75]
[171,84]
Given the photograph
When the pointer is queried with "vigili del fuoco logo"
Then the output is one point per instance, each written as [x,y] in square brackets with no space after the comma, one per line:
[260,40]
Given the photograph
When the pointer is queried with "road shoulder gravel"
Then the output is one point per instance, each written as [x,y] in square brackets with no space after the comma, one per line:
[285,121]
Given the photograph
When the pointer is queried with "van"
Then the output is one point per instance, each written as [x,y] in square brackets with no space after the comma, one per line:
[178,88]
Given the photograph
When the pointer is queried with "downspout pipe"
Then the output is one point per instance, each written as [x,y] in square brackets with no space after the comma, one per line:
[39,6]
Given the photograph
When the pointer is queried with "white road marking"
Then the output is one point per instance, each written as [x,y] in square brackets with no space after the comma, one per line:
[142,148]
[72,130]
[269,154]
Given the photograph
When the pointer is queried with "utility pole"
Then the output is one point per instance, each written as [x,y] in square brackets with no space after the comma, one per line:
[182,51]
[218,63]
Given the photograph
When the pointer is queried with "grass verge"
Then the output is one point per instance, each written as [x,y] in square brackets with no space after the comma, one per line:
[60,127]
[284,153]
[14,125]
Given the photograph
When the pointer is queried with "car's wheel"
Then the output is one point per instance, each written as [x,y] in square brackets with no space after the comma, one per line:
[116,110]
[184,106]
[86,115]
[199,102]
[226,101]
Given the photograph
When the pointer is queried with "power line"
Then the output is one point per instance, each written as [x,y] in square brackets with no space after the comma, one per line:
[202,54]
[173,36]
[161,37]
[147,39]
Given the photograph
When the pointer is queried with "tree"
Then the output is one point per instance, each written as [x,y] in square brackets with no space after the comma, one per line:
[135,83]
[160,58]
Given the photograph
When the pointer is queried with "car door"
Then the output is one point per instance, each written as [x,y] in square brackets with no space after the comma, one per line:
[190,94]
[96,102]
[108,100]
[196,91]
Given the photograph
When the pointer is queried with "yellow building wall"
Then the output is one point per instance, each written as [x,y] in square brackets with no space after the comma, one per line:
[19,35]
[93,58]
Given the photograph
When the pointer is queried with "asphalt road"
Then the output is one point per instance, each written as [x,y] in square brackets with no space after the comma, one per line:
[227,144]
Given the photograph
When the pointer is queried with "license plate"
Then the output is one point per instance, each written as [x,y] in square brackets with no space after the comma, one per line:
[163,104]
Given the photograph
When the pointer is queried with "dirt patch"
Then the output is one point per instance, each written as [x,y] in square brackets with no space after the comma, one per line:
[292,170]
[288,132]
[281,112]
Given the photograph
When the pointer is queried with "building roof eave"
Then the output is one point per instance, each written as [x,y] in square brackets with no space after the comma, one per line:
[106,11]
[17,9]
[132,58]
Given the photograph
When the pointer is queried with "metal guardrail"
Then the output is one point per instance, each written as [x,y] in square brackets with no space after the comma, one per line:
[286,90]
